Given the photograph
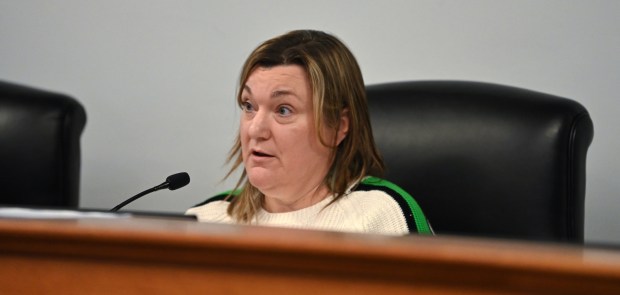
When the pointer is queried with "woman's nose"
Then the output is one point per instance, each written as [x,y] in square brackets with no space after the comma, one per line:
[259,126]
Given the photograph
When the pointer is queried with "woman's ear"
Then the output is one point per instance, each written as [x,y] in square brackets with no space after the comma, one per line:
[343,129]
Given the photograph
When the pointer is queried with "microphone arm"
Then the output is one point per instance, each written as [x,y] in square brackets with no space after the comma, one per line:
[173,182]
[148,191]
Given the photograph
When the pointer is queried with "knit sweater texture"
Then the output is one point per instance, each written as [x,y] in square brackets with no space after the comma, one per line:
[376,209]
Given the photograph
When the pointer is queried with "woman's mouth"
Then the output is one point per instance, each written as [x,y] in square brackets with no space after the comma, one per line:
[260,154]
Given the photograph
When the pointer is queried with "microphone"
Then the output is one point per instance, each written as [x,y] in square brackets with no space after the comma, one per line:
[174,181]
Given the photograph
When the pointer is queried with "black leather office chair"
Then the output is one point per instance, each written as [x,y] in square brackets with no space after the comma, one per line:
[39,147]
[486,160]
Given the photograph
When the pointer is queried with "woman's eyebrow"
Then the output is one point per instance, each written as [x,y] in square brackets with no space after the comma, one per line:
[275,93]
[278,93]
[247,88]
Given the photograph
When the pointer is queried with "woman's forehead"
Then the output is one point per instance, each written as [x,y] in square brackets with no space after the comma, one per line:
[278,81]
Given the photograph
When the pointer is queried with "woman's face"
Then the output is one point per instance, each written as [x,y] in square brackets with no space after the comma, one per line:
[282,154]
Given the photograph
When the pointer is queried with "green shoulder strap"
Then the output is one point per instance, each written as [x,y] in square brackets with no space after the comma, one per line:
[418,215]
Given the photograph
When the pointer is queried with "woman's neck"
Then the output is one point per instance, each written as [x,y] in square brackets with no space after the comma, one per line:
[315,195]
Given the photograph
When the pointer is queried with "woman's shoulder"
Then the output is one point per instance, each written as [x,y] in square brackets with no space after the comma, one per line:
[214,209]
[376,193]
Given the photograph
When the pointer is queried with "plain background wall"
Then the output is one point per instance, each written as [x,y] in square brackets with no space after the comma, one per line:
[157,78]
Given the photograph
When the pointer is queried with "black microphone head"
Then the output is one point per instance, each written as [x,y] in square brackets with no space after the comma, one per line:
[178,180]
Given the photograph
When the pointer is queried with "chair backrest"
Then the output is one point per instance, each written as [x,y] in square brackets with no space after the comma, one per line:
[484,159]
[39,147]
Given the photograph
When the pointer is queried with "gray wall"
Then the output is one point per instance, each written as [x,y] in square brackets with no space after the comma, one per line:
[157,77]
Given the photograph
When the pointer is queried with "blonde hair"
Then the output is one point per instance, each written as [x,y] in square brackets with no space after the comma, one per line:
[337,85]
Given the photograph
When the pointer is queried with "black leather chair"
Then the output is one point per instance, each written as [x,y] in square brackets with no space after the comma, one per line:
[486,160]
[39,147]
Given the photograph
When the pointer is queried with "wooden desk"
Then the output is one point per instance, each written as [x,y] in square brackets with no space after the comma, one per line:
[163,256]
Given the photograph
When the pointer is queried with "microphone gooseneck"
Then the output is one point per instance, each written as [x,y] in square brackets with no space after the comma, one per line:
[173,182]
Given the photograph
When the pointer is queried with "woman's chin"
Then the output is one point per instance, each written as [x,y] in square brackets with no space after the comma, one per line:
[262,181]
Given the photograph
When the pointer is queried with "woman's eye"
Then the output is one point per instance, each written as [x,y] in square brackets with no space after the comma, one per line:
[284,111]
[247,106]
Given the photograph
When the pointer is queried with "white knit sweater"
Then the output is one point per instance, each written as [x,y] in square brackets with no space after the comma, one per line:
[371,211]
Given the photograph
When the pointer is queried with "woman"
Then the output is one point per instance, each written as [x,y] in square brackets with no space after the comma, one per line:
[306,145]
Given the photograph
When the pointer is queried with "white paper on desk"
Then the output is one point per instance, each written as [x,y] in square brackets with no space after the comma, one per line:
[28,213]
